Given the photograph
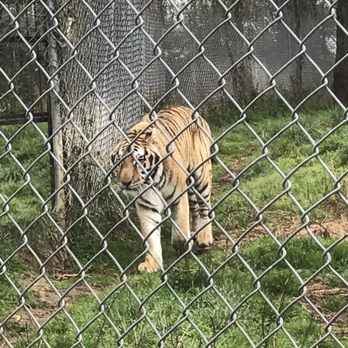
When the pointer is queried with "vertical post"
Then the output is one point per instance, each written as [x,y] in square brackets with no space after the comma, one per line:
[297,83]
[55,114]
[340,83]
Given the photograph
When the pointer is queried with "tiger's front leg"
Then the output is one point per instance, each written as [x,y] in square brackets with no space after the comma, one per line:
[151,231]
[181,226]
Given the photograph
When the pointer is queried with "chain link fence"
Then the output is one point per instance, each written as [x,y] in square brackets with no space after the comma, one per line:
[14,56]
[269,77]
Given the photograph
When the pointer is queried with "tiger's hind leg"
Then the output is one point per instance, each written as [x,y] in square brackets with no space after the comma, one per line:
[205,236]
[181,224]
[194,211]
[201,221]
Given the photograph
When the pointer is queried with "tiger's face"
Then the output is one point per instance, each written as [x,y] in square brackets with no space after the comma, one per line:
[137,165]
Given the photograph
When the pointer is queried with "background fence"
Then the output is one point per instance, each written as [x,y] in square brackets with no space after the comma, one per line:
[271,79]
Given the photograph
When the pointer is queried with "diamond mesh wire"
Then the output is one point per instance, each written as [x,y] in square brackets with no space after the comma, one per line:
[70,240]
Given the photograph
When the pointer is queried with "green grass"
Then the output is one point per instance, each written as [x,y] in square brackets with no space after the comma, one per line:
[234,282]
[261,182]
[272,279]
[25,147]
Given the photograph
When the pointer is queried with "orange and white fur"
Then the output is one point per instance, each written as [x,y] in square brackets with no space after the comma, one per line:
[149,169]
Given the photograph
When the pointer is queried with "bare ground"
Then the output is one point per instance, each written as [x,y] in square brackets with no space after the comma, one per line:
[318,295]
[327,229]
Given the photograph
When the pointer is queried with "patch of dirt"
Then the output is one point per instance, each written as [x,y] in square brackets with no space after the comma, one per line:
[331,229]
[255,233]
[319,294]
[44,301]
[223,181]
[327,229]
[236,164]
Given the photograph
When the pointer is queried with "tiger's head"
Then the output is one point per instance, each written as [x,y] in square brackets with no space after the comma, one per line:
[137,164]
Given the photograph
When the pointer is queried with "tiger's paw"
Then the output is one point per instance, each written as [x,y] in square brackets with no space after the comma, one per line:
[204,239]
[149,265]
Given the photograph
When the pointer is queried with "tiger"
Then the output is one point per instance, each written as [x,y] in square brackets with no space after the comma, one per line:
[157,172]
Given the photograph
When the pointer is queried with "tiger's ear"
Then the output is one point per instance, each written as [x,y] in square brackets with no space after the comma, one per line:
[154,135]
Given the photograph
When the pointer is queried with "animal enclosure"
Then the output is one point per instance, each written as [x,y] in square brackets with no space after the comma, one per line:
[270,78]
